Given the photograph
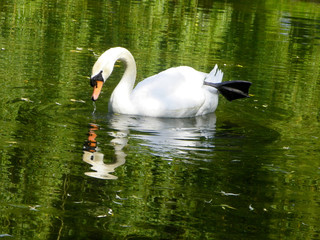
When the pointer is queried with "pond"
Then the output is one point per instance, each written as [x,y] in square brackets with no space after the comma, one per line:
[71,170]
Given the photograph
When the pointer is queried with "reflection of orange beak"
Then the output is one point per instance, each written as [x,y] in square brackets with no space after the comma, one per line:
[92,143]
[94,127]
[96,90]
[92,136]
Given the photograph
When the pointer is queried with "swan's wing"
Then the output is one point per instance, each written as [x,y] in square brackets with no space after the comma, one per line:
[176,91]
[215,76]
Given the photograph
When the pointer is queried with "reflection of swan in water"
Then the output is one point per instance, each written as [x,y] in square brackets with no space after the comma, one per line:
[169,136]
[92,155]
[164,136]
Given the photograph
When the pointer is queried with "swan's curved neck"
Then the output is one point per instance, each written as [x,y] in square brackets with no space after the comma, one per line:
[129,76]
[120,98]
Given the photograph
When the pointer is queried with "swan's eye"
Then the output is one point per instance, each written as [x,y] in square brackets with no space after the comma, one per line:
[94,79]
[93,82]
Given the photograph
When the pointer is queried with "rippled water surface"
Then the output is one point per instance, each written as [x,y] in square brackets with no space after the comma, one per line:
[70,170]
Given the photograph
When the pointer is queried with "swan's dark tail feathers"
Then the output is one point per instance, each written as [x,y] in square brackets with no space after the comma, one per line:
[232,90]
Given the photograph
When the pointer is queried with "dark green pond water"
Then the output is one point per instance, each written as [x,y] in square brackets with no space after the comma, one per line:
[251,170]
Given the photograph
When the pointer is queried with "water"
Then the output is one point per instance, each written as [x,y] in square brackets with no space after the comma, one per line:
[70,170]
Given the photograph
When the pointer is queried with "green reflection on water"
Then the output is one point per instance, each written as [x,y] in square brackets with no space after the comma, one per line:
[264,148]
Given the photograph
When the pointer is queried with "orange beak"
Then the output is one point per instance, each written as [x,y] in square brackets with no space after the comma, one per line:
[97,90]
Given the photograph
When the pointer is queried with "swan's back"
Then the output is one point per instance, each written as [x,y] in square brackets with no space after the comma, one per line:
[174,92]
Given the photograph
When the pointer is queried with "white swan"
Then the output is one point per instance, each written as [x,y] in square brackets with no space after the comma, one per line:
[175,93]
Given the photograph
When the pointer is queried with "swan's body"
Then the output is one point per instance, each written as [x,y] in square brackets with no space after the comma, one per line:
[176,92]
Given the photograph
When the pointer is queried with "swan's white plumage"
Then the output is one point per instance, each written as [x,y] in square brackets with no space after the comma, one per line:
[176,92]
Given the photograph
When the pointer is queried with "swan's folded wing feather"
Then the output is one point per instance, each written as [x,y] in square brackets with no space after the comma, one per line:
[176,90]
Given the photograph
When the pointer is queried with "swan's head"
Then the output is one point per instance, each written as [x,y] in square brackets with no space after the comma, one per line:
[100,73]
[96,82]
